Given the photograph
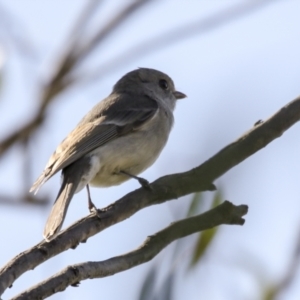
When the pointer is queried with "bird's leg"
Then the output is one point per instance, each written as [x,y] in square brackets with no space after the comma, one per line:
[143,182]
[91,205]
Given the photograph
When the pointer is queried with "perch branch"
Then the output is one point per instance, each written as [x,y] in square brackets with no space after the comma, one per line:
[226,213]
[163,189]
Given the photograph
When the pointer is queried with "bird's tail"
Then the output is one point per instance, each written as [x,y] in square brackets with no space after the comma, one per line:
[38,183]
[75,176]
[60,206]
[72,176]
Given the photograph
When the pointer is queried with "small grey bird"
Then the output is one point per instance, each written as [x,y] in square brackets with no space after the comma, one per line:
[118,139]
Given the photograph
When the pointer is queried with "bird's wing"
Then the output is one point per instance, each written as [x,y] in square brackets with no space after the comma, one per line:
[92,134]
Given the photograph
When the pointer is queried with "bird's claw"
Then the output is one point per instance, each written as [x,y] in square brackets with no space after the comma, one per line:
[144,183]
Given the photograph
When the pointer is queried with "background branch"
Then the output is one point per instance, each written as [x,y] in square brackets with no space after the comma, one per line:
[226,213]
[70,58]
[172,36]
[78,48]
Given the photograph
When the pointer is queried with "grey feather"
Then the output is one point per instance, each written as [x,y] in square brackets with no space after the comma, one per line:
[96,129]
[65,194]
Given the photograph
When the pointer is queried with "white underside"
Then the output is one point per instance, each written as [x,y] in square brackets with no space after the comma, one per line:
[132,153]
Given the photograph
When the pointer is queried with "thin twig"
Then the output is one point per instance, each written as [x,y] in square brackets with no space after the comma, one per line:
[69,59]
[170,37]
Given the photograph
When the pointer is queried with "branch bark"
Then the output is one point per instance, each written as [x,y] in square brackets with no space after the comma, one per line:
[226,213]
[163,189]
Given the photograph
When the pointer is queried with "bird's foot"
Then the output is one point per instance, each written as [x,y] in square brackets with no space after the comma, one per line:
[143,182]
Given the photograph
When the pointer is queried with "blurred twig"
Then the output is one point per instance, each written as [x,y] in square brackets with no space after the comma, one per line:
[112,25]
[63,76]
[275,291]
[17,36]
[173,36]
[17,200]
[59,79]
[205,238]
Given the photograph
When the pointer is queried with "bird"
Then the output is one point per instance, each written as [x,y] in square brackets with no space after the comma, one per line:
[116,140]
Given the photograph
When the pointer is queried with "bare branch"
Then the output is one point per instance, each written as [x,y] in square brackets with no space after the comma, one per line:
[226,213]
[84,18]
[67,62]
[163,189]
[20,134]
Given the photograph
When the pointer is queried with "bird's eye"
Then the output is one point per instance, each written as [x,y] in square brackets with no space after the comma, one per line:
[163,84]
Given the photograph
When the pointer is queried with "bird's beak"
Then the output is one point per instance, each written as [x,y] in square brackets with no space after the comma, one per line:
[179,95]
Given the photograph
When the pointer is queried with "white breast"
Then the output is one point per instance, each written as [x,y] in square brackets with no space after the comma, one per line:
[132,153]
